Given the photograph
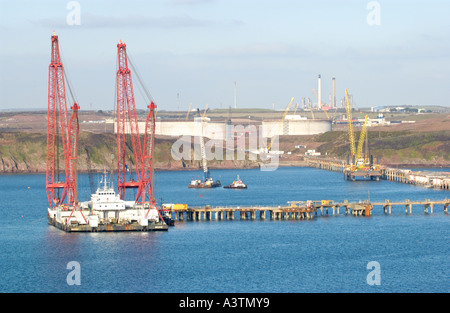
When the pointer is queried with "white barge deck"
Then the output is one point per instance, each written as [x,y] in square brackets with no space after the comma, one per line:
[105,211]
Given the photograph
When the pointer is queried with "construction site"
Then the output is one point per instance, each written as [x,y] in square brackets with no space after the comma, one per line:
[131,166]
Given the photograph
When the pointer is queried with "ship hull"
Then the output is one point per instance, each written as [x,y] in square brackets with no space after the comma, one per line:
[233,187]
[203,185]
[110,227]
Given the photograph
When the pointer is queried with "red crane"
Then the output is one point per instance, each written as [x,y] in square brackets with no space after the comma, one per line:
[126,112]
[147,176]
[66,130]
[143,155]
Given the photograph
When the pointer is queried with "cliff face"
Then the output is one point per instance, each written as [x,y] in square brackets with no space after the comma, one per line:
[22,152]
[27,153]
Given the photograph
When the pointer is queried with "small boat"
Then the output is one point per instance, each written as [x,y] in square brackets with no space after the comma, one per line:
[237,184]
[207,183]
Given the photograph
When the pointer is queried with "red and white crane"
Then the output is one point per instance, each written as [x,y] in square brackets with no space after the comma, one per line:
[67,130]
[127,120]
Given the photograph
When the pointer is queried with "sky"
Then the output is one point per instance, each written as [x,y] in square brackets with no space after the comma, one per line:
[386,53]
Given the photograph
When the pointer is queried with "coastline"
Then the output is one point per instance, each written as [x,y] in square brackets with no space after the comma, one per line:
[253,165]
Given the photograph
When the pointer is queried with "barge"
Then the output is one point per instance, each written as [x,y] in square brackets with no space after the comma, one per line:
[106,212]
[207,183]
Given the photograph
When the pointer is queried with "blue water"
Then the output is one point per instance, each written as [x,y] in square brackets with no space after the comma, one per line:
[327,254]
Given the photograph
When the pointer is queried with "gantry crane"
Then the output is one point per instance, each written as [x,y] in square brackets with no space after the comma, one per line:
[59,126]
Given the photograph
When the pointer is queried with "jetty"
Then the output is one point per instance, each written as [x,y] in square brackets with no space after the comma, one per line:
[427,179]
[298,210]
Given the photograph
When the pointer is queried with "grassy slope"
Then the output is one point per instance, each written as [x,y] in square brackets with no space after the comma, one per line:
[26,152]
[394,147]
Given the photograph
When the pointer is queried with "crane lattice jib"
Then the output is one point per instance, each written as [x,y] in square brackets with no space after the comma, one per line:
[57,103]
[74,130]
[126,112]
[361,140]
[146,188]
[351,135]
[147,168]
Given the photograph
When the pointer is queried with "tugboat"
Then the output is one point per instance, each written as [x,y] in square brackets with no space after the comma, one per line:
[166,214]
[237,184]
[168,219]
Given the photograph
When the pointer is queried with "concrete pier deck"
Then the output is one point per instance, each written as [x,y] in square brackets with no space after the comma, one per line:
[427,179]
[299,210]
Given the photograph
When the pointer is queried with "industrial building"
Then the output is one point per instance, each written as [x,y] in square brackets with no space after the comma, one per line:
[292,125]
[295,127]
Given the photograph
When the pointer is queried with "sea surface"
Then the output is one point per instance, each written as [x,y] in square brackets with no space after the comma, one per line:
[327,254]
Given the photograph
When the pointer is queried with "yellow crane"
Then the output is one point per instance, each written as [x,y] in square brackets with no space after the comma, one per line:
[351,135]
[204,113]
[296,107]
[187,114]
[356,153]
[361,161]
[359,165]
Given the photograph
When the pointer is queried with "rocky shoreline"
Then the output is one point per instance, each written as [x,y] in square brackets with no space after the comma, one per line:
[23,168]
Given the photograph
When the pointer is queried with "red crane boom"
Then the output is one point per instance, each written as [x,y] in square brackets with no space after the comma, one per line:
[126,112]
[143,155]
[147,166]
[57,108]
